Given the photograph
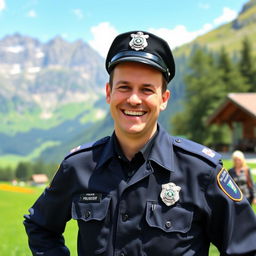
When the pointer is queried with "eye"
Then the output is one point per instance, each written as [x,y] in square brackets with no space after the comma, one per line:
[148,90]
[123,88]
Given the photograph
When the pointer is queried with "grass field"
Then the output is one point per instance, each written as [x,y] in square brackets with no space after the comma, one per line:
[13,205]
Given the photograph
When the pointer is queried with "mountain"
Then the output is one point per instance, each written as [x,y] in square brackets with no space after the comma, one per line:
[46,91]
[38,79]
[52,94]
[229,35]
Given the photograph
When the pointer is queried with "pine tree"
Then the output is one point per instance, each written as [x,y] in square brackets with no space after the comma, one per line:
[232,79]
[247,65]
[23,171]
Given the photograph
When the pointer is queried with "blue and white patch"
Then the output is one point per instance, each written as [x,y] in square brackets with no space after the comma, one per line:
[228,186]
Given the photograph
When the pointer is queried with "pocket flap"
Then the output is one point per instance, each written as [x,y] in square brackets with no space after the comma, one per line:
[91,210]
[168,219]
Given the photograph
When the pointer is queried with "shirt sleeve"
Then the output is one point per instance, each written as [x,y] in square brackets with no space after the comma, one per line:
[47,219]
[231,223]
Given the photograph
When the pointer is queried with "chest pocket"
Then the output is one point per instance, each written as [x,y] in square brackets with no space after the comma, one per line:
[94,224]
[168,219]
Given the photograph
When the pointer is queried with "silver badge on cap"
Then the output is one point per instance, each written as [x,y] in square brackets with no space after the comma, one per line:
[170,193]
[138,41]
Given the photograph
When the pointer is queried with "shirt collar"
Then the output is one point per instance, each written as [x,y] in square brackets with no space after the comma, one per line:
[145,150]
[162,151]
[108,152]
[158,149]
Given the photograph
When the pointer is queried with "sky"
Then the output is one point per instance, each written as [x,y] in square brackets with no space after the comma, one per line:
[97,22]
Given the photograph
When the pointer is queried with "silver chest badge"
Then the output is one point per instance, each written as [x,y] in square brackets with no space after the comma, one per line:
[170,193]
[138,41]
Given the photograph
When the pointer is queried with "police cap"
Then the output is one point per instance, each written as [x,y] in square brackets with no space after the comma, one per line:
[143,47]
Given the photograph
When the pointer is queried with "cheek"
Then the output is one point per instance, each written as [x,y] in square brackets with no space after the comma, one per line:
[115,98]
[156,102]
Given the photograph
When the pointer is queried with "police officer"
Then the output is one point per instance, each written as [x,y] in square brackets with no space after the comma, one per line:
[142,192]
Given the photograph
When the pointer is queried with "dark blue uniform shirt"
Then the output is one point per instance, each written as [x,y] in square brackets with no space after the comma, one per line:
[119,216]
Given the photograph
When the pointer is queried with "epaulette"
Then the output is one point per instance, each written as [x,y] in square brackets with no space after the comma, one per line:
[87,146]
[198,149]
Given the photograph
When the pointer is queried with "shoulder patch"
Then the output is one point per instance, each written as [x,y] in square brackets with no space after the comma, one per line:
[228,186]
[87,146]
[198,149]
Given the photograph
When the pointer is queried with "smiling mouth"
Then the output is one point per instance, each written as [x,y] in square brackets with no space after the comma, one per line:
[134,113]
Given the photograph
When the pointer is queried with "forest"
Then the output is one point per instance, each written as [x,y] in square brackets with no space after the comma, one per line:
[210,77]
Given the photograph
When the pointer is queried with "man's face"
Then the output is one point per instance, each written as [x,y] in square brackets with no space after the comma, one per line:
[136,99]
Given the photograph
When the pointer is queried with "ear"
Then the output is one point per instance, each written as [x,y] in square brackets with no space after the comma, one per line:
[165,97]
[108,92]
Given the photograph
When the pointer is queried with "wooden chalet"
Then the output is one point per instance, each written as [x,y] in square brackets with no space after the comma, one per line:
[239,112]
[39,179]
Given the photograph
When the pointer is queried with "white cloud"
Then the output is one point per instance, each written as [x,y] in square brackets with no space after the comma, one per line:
[103,35]
[78,13]
[2,5]
[180,35]
[32,14]
[227,15]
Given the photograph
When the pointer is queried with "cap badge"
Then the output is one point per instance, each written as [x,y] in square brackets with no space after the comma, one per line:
[170,193]
[138,41]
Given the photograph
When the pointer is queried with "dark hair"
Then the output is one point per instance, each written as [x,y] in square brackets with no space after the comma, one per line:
[164,82]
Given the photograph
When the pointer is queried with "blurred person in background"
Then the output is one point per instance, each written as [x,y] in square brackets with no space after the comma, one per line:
[241,174]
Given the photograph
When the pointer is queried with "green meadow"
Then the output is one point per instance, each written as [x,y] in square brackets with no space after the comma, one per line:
[13,238]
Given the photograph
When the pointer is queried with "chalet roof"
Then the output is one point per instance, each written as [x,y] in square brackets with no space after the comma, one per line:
[39,178]
[244,102]
[247,101]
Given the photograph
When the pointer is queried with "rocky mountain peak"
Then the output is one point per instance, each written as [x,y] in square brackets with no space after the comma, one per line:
[32,72]
[247,16]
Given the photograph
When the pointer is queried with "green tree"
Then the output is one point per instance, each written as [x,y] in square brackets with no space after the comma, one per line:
[232,79]
[39,167]
[24,171]
[247,65]
[204,91]
[6,174]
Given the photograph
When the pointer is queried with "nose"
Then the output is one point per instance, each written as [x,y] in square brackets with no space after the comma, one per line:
[134,99]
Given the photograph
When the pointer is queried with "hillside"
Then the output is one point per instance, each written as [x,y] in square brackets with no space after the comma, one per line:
[229,35]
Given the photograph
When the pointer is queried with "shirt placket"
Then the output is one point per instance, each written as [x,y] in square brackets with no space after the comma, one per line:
[125,221]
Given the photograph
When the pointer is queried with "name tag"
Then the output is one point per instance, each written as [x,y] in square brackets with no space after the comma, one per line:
[90,197]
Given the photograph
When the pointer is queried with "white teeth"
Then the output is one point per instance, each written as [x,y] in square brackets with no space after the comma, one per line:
[134,113]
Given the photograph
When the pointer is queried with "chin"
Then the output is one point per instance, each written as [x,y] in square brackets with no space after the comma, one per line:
[135,129]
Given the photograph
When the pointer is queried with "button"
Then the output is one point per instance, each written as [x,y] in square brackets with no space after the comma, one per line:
[178,140]
[148,167]
[168,224]
[125,217]
[87,214]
